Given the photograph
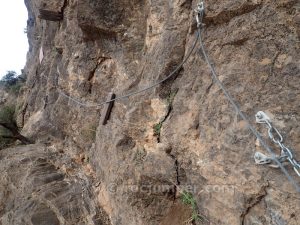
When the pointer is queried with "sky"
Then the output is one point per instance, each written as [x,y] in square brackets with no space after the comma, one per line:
[13,40]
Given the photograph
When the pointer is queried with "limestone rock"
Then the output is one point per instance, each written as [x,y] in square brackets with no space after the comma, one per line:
[181,135]
[34,190]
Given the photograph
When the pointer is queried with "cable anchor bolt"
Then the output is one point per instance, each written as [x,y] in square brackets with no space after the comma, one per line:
[262,117]
[200,13]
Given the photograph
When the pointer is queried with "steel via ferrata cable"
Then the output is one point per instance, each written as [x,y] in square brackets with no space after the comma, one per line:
[141,90]
[242,115]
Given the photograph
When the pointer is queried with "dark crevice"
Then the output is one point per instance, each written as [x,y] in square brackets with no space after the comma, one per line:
[100,60]
[92,33]
[23,114]
[253,201]
[166,86]
[209,87]
[177,182]
[227,15]
[170,108]
[170,99]
[187,4]
[207,92]
[172,65]
[92,73]
[66,2]
[238,42]
[45,101]
[177,171]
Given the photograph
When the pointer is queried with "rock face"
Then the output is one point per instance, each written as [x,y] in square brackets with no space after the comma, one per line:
[37,190]
[182,135]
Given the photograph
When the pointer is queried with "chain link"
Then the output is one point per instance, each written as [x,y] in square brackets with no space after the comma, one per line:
[260,158]
[277,138]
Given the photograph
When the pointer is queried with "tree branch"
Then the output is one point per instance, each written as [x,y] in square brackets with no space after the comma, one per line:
[8,137]
[16,134]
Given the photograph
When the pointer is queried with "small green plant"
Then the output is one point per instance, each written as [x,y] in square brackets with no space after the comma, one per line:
[157,128]
[171,97]
[188,199]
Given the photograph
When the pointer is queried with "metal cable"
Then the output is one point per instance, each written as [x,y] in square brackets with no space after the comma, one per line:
[139,91]
[242,115]
[215,77]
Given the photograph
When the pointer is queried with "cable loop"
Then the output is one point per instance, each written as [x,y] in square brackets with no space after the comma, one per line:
[95,105]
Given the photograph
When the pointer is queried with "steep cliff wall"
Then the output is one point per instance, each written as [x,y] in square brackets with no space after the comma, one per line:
[183,134]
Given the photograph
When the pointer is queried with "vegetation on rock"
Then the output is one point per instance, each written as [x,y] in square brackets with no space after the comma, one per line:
[9,131]
[12,82]
[188,199]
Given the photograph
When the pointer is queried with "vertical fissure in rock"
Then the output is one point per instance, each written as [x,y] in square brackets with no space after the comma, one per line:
[66,2]
[45,101]
[253,201]
[100,60]
[177,181]
[23,114]
[163,120]
[170,99]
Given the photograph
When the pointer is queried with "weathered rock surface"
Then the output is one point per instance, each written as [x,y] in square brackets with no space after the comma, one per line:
[132,172]
[36,189]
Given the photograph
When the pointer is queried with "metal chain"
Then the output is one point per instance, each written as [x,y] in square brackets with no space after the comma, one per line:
[200,12]
[277,138]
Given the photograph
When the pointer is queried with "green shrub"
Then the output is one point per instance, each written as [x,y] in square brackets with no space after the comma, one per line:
[15,89]
[171,97]
[188,199]
[7,114]
[12,82]
[5,142]
[9,131]
[10,78]
[157,128]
